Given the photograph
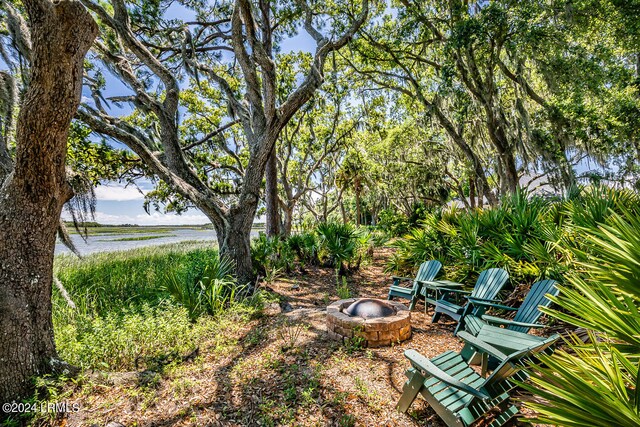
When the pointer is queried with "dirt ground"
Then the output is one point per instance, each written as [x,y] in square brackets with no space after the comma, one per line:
[280,369]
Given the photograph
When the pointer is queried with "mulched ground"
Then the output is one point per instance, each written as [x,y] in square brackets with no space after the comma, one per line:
[280,369]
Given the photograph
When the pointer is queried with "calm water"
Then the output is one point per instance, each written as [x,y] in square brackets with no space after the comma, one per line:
[112,242]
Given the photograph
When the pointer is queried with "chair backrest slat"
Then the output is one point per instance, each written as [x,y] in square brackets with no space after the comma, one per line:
[489,283]
[537,297]
[428,270]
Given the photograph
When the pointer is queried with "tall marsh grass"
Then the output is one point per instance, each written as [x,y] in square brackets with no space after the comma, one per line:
[102,282]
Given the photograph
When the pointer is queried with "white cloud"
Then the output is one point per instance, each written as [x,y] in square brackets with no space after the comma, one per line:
[119,193]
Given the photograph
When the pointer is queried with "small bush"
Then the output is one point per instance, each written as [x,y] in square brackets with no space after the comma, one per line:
[212,294]
[338,243]
[271,255]
[343,289]
[305,246]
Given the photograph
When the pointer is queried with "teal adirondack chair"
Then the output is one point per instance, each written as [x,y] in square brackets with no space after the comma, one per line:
[487,287]
[458,394]
[526,317]
[503,340]
[527,314]
[427,272]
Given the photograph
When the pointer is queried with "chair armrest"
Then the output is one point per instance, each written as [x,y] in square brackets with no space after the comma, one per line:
[457,291]
[440,284]
[483,300]
[490,303]
[398,278]
[425,365]
[482,346]
[508,322]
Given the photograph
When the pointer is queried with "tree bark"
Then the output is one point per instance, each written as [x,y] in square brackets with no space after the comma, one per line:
[287,220]
[32,197]
[271,195]
[235,244]
[358,209]
[472,192]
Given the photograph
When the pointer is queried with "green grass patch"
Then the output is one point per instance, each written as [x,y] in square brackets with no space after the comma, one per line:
[126,319]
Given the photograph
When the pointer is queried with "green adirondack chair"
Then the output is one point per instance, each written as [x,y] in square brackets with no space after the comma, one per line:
[527,314]
[525,319]
[458,394]
[427,272]
[505,341]
[487,287]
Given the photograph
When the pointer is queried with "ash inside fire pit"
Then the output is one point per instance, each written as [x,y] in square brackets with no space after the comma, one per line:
[368,308]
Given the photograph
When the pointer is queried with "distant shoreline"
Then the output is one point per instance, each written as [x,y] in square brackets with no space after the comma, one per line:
[93,229]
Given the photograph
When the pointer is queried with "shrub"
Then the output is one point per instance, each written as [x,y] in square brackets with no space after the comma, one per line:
[305,246]
[528,235]
[338,244]
[214,292]
[343,289]
[597,384]
[271,255]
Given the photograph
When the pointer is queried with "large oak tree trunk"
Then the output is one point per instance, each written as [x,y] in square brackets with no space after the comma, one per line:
[31,199]
[235,243]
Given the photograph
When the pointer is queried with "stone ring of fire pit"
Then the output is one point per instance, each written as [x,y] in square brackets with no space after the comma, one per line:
[376,331]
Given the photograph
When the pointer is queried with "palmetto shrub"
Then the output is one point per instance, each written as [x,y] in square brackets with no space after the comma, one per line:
[338,244]
[597,384]
[271,255]
[343,246]
[305,246]
[528,235]
[212,294]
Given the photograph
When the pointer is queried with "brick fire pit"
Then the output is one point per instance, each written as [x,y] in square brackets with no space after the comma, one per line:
[376,331]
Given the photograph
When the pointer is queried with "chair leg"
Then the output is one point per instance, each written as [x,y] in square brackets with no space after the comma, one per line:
[436,316]
[484,364]
[410,391]
[458,326]
[413,303]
